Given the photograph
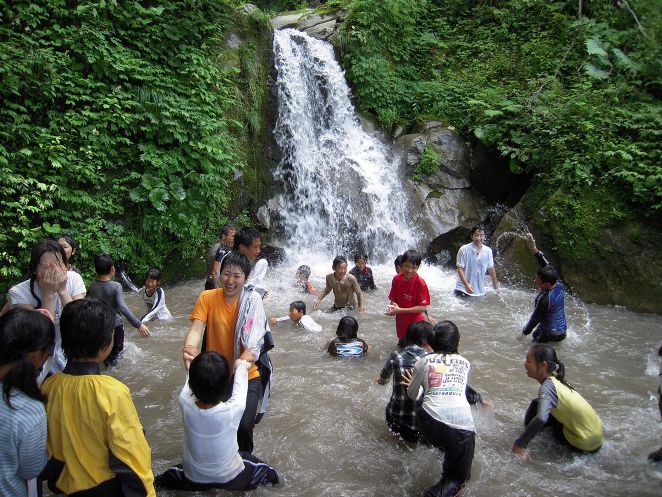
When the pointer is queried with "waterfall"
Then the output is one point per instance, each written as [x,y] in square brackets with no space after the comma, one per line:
[342,190]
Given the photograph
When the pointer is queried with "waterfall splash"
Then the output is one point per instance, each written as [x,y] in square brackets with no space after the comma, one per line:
[342,191]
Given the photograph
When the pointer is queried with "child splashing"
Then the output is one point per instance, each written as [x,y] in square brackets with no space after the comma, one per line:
[559,406]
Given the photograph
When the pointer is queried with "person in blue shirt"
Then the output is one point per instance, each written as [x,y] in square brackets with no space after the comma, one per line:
[547,322]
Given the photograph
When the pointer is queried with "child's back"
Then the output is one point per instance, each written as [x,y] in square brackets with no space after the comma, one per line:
[111,293]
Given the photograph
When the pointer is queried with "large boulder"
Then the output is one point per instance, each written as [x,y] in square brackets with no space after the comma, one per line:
[318,25]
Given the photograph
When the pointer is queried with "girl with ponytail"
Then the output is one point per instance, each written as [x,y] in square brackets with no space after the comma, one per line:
[559,406]
[26,340]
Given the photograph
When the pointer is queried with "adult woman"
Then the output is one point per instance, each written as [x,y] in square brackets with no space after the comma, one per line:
[230,320]
[26,340]
[572,419]
[50,287]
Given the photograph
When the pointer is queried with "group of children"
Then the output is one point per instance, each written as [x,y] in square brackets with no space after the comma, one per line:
[94,413]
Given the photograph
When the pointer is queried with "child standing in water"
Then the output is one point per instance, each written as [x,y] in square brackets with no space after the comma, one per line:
[363,273]
[302,279]
[572,419]
[409,295]
[210,453]
[445,418]
[27,339]
[109,291]
[154,297]
[344,287]
[346,343]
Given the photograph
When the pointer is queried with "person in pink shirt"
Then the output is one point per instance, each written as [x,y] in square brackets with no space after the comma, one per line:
[409,295]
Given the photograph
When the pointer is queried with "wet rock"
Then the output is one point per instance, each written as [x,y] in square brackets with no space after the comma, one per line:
[275,256]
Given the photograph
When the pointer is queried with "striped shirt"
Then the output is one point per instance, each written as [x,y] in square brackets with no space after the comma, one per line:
[22,442]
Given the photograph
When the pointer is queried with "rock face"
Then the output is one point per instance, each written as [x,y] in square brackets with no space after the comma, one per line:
[321,26]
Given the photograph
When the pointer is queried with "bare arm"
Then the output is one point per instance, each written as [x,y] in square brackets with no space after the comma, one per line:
[394,309]
[192,342]
[463,279]
[495,284]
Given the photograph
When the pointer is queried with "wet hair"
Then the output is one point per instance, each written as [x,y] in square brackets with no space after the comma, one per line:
[412,256]
[238,260]
[548,274]
[86,326]
[72,243]
[103,264]
[208,377]
[339,259]
[445,338]
[44,246]
[225,229]
[23,331]
[299,305]
[304,270]
[398,261]
[153,273]
[347,328]
[418,333]
[360,255]
[245,236]
[543,352]
[476,228]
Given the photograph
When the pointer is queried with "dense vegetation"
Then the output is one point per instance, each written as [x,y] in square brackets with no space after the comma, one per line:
[572,97]
[124,123]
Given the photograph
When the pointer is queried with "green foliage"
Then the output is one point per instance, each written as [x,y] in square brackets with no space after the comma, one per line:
[428,163]
[575,99]
[121,123]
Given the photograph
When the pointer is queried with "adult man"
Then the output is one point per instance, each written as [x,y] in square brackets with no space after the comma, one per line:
[216,254]
[548,317]
[473,261]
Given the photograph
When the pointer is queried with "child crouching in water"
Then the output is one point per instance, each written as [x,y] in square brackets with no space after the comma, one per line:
[445,418]
[210,453]
[298,315]
[346,343]
[154,297]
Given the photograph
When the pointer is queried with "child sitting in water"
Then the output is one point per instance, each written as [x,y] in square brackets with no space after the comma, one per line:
[302,281]
[210,453]
[445,418]
[298,315]
[154,297]
[572,419]
[344,287]
[96,443]
[346,343]
[362,272]
[106,289]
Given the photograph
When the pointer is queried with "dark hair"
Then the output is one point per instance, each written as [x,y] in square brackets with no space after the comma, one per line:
[418,333]
[245,236]
[339,259]
[86,326]
[412,256]
[72,243]
[208,377]
[44,246]
[398,261]
[548,274]
[542,352]
[225,229]
[445,338]
[23,331]
[360,255]
[153,273]
[303,269]
[103,264]
[238,260]
[476,228]
[299,305]
[347,328]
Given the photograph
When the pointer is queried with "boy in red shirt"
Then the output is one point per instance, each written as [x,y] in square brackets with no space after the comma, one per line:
[409,295]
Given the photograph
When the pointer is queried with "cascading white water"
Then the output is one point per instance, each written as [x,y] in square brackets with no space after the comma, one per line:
[342,190]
